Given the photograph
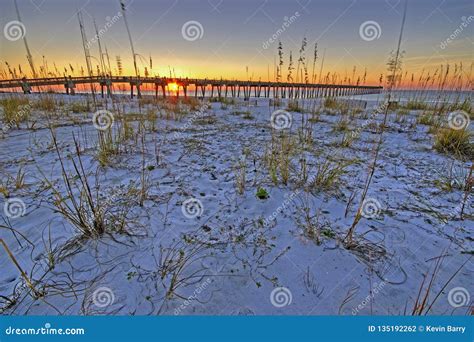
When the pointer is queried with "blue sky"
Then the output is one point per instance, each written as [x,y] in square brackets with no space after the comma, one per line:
[234,32]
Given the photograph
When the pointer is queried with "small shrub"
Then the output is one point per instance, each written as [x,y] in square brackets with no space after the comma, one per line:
[328,233]
[458,142]
[262,193]
[426,118]
[294,106]
[403,111]
[330,103]
[15,110]
[342,125]
[46,103]
[348,139]
[80,107]
[240,179]
[278,156]
[328,174]
[248,116]
[415,105]
[466,106]
[147,100]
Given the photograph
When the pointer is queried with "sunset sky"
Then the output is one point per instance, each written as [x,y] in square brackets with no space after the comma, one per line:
[236,32]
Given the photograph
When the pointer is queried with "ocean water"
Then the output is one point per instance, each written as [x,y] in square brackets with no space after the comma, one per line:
[427,96]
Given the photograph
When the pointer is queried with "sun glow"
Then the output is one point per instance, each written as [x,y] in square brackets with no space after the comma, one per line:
[173,87]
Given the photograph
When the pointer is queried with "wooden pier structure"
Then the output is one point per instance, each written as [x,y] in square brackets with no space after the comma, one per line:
[195,87]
